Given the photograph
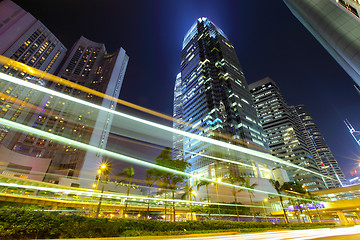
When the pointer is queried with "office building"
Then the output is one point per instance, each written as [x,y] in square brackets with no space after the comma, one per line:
[177,114]
[215,102]
[286,140]
[319,150]
[27,40]
[336,25]
[90,65]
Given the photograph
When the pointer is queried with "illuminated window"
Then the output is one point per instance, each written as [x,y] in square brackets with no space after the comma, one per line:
[348,7]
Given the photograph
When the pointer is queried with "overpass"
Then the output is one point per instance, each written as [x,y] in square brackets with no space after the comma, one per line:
[341,204]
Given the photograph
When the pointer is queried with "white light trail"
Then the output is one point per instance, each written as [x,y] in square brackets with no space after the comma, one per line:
[282,235]
[158,126]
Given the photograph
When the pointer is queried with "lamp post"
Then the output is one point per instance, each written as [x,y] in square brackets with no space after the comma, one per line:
[194,193]
[103,168]
[217,193]
[263,203]
[92,196]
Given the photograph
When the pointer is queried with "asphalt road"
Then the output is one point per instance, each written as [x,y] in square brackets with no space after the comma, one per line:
[350,233]
[346,237]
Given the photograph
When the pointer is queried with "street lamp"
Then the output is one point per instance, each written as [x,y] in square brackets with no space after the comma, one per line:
[263,203]
[218,179]
[104,167]
[194,193]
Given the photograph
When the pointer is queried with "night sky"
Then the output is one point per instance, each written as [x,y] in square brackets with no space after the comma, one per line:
[268,39]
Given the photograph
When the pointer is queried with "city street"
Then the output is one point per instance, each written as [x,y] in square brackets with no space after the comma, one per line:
[350,233]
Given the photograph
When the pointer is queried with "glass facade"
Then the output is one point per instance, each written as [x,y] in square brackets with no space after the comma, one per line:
[26,40]
[319,149]
[215,102]
[285,138]
[336,25]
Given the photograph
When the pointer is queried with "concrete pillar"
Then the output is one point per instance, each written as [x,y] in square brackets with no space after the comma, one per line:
[358,216]
[121,213]
[342,217]
[257,170]
[188,216]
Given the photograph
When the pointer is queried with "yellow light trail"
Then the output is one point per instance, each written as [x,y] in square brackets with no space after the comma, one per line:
[117,195]
[70,142]
[159,126]
[41,74]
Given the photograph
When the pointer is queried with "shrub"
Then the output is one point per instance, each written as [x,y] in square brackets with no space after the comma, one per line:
[17,223]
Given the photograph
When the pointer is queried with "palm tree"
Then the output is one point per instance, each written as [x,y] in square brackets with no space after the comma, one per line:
[277,186]
[189,191]
[313,198]
[233,180]
[206,184]
[150,180]
[127,174]
[295,189]
[171,180]
[249,186]
[304,202]
[165,188]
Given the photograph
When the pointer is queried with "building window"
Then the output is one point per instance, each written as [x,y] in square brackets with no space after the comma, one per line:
[348,7]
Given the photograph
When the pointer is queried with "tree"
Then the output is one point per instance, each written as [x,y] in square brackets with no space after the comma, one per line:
[295,189]
[127,174]
[313,200]
[206,184]
[232,179]
[276,184]
[189,191]
[249,186]
[150,179]
[104,170]
[169,179]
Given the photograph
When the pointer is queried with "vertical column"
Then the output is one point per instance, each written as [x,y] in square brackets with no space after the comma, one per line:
[358,216]
[257,170]
[342,217]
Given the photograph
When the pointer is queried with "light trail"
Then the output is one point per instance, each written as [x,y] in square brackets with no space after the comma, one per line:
[41,74]
[20,103]
[122,196]
[282,235]
[70,142]
[44,75]
[158,126]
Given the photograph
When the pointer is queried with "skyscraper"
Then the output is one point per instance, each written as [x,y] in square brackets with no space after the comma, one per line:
[177,114]
[285,138]
[319,149]
[90,65]
[215,100]
[25,39]
[336,25]
[87,64]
